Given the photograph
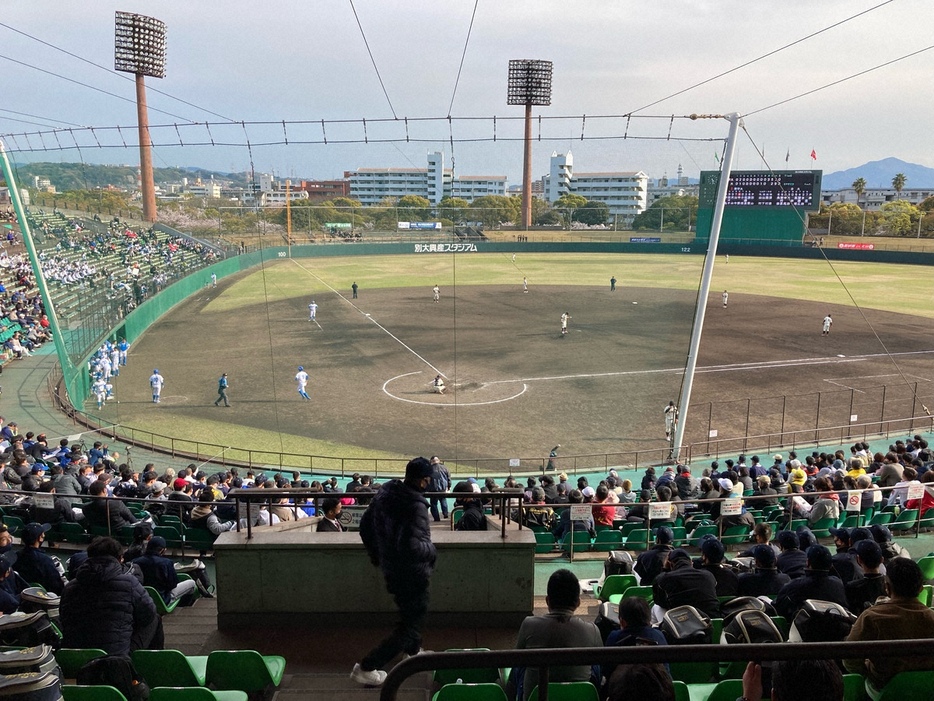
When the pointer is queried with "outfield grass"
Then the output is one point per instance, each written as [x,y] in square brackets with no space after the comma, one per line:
[896,288]
[906,289]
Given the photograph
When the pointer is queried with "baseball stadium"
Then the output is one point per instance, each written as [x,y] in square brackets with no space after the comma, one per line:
[666,441]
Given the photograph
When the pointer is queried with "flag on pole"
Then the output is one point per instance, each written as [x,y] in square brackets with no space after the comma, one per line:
[716,157]
[813,155]
[787,155]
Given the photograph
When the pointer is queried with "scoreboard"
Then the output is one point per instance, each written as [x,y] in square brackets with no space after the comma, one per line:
[799,189]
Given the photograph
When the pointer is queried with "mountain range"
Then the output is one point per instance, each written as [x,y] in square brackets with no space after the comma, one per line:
[879,174]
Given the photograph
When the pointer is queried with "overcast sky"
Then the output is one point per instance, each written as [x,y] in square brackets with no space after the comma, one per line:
[297,61]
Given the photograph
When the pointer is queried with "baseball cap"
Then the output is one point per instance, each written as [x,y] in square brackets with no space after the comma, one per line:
[880,533]
[679,555]
[155,544]
[869,552]
[788,539]
[664,535]
[418,468]
[31,532]
[764,556]
[38,467]
[712,548]
[158,486]
[798,476]
[841,533]
[725,484]
[858,534]
[588,491]
[819,557]
[179,484]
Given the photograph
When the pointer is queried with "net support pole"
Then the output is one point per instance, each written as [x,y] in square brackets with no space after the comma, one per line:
[699,313]
[57,338]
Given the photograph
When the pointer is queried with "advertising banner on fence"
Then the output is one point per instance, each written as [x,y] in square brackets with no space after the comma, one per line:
[645,239]
[419,225]
[856,246]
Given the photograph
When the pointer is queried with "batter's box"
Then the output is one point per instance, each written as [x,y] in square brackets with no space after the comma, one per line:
[869,381]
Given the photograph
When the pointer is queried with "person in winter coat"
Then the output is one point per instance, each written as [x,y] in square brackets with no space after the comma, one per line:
[106,608]
[396,531]
[473,519]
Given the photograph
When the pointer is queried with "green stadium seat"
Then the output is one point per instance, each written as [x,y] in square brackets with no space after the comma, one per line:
[607,540]
[927,567]
[638,539]
[854,688]
[906,686]
[544,542]
[194,693]
[73,659]
[244,670]
[91,693]
[568,691]
[905,521]
[883,518]
[691,673]
[470,692]
[478,675]
[821,527]
[170,667]
[682,693]
[614,584]
[162,608]
[581,541]
[643,592]
[735,535]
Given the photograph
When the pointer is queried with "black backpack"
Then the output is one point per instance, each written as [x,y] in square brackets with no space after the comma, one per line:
[617,562]
[730,608]
[685,625]
[821,622]
[116,671]
[750,626]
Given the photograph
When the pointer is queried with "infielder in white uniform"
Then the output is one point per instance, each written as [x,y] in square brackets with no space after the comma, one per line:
[726,298]
[436,292]
[564,323]
[312,310]
[671,419]
[828,322]
[157,382]
[301,378]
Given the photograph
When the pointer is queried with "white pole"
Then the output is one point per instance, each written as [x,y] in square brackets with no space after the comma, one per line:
[725,166]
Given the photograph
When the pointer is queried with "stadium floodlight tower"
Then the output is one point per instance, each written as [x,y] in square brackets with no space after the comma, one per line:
[139,48]
[529,84]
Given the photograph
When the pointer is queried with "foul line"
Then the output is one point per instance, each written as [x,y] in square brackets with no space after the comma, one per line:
[764,365]
[371,319]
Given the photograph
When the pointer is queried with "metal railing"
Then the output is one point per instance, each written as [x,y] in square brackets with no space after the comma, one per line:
[545,658]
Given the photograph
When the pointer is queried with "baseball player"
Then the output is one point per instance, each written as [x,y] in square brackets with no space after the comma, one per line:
[157,382]
[828,322]
[564,323]
[312,311]
[301,377]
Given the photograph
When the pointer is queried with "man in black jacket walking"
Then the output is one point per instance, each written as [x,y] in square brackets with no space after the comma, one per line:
[396,531]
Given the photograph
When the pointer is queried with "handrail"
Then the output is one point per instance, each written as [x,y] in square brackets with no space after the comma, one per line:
[544,658]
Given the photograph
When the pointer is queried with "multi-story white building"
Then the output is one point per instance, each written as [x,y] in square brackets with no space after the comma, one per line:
[679,187]
[471,187]
[624,193]
[873,198]
[373,185]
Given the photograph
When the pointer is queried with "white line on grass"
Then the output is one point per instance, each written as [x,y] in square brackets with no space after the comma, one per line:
[369,318]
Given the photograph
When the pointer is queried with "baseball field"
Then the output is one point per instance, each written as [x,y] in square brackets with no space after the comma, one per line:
[515,386]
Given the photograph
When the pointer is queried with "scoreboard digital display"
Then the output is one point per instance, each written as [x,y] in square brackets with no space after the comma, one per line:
[750,188]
